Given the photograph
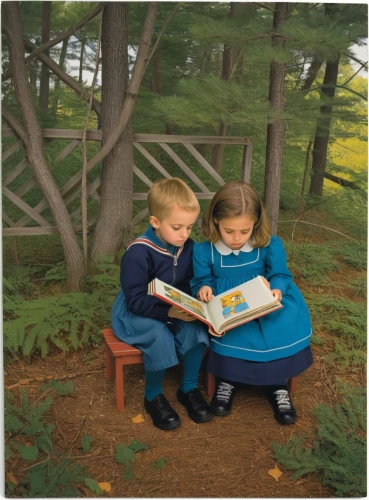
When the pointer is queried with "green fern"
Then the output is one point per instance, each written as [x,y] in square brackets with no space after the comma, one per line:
[346,321]
[312,262]
[338,454]
[68,322]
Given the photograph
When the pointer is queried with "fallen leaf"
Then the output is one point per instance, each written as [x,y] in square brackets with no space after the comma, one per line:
[318,384]
[11,478]
[39,379]
[276,473]
[105,486]
[49,377]
[23,381]
[138,419]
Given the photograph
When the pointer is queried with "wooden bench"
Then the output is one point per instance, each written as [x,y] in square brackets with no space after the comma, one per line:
[118,354]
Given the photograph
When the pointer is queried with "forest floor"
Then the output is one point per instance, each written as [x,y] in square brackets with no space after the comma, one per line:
[227,457]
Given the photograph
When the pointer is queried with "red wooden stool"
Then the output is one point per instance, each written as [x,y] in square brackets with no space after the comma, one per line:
[210,384]
[118,354]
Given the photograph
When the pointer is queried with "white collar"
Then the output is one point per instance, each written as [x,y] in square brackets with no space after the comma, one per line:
[224,250]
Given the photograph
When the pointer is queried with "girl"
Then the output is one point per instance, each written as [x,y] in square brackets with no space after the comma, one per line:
[273,348]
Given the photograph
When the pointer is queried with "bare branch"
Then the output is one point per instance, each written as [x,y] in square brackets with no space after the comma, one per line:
[13,122]
[365,64]
[45,46]
[71,82]
[353,91]
[263,6]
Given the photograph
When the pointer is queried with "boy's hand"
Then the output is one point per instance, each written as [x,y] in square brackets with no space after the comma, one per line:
[205,293]
[175,312]
[277,294]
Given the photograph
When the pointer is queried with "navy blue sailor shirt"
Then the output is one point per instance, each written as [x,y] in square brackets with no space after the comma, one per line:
[147,258]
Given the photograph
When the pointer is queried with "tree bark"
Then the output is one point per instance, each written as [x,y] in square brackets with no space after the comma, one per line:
[72,252]
[114,222]
[44,77]
[218,149]
[275,129]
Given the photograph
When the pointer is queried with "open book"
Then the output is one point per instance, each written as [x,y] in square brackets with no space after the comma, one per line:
[226,310]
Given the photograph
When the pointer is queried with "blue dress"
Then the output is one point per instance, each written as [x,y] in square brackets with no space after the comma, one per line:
[269,349]
[142,320]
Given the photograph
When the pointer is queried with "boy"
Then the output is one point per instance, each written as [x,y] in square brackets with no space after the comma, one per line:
[158,329]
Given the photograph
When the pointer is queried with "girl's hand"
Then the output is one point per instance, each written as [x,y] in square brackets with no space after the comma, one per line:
[175,312]
[277,294]
[205,293]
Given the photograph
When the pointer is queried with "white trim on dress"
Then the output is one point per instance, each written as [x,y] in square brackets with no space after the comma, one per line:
[268,350]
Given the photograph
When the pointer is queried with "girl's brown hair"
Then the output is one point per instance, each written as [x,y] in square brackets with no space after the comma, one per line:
[166,193]
[232,200]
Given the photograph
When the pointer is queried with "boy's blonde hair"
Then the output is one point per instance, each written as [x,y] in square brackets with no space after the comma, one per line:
[166,193]
[232,200]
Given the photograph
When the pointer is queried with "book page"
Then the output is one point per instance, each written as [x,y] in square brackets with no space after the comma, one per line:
[247,299]
[183,300]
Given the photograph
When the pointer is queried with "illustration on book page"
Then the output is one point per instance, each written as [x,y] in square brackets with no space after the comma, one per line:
[233,303]
[181,299]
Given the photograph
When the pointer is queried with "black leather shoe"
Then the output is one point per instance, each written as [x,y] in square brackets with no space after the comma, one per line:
[162,414]
[223,398]
[197,408]
[280,399]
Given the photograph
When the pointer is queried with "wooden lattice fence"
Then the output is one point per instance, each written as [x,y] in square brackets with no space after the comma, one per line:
[26,212]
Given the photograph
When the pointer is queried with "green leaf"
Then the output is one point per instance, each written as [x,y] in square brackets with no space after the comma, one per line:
[159,464]
[87,443]
[44,443]
[137,446]
[29,452]
[129,474]
[124,454]
[93,486]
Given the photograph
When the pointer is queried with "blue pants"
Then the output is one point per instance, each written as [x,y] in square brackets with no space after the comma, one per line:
[161,343]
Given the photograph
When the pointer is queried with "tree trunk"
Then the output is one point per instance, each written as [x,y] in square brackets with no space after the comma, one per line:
[63,54]
[275,129]
[80,73]
[218,149]
[44,77]
[312,73]
[33,139]
[322,131]
[114,222]
[156,84]
[323,124]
